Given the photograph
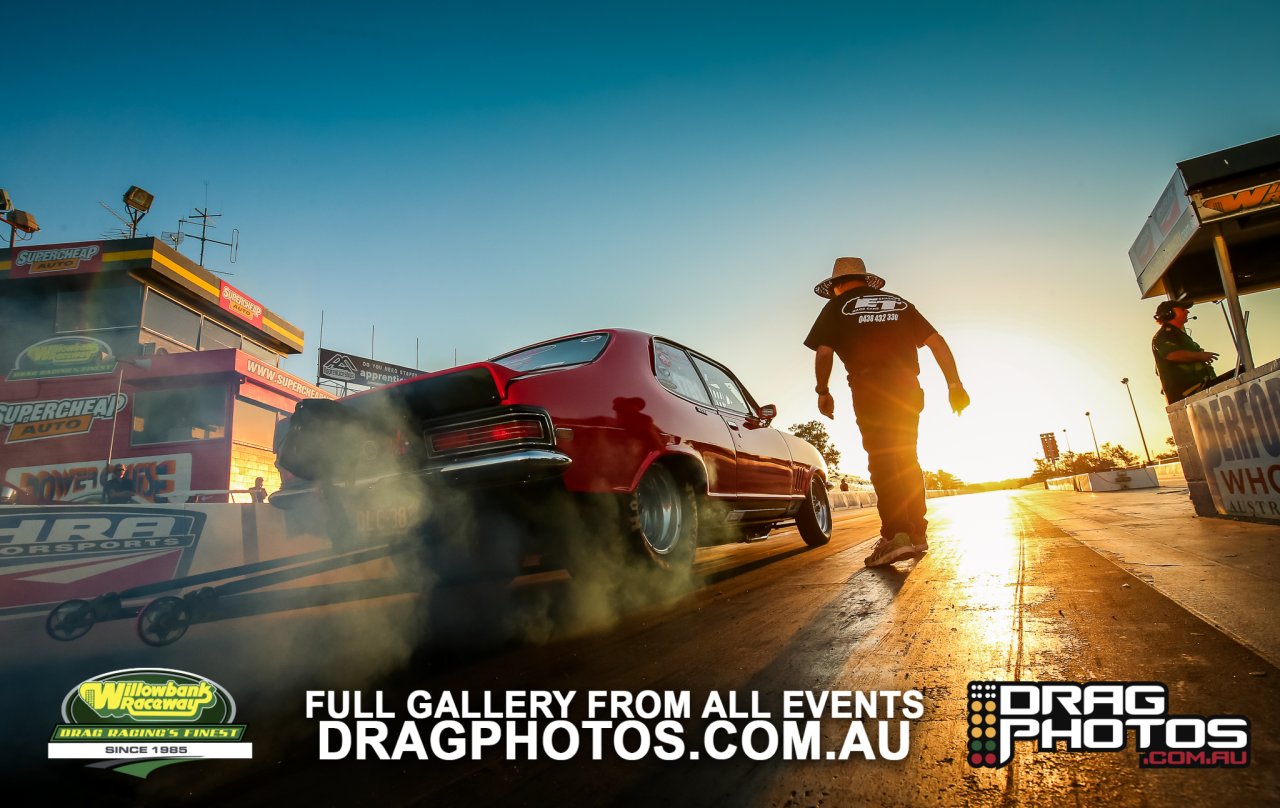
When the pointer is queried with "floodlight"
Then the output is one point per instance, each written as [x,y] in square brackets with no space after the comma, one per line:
[21,220]
[5,202]
[137,199]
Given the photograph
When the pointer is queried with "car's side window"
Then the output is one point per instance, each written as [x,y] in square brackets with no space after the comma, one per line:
[676,373]
[725,393]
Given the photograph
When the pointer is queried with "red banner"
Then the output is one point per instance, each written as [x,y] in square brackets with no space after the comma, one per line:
[240,304]
[57,259]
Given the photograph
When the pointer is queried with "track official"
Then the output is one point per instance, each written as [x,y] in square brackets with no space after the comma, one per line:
[1183,366]
[877,334]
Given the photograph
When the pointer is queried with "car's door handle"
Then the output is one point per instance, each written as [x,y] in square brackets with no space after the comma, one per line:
[699,409]
[732,426]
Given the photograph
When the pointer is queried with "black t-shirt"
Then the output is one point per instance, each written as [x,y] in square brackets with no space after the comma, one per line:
[872,330]
[1179,379]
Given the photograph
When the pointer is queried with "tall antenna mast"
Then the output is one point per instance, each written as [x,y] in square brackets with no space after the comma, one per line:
[203,218]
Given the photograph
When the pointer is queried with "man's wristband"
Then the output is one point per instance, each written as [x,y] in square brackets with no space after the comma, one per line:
[822,391]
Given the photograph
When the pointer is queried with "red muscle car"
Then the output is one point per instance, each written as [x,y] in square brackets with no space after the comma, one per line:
[664,436]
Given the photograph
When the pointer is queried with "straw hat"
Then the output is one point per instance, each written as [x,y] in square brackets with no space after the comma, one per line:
[847,269]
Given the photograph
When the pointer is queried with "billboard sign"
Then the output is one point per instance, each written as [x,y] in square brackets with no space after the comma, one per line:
[57,259]
[1166,231]
[277,379]
[63,356]
[48,555]
[1237,434]
[1237,203]
[56,418]
[153,478]
[1049,443]
[240,304]
[351,369]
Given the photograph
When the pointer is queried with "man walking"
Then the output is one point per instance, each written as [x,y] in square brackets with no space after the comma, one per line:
[876,334]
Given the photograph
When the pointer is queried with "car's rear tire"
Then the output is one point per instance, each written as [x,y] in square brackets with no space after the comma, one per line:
[660,518]
[815,518]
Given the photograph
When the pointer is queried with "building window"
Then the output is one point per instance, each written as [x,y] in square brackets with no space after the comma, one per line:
[97,309]
[254,423]
[167,318]
[160,345]
[258,352]
[214,337]
[173,416]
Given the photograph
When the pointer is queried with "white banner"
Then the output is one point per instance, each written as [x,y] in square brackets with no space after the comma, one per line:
[1237,435]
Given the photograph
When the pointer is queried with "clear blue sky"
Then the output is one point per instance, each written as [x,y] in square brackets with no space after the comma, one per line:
[481,176]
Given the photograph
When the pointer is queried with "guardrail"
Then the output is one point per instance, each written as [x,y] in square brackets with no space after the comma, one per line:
[867,499]
[239,496]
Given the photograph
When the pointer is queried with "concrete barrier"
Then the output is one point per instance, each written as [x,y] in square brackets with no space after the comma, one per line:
[840,500]
[1169,475]
[1119,480]
[1110,480]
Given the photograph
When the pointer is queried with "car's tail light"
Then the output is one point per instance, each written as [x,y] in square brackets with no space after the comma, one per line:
[489,435]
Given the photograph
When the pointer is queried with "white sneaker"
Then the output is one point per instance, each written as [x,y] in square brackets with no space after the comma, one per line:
[888,551]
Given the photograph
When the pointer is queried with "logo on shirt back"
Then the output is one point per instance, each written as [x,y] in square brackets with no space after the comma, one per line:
[875,308]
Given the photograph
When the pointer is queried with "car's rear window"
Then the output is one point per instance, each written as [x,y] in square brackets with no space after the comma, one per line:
[572,351]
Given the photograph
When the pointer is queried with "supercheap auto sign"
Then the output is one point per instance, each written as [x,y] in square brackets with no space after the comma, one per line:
[55,418]
[57,259]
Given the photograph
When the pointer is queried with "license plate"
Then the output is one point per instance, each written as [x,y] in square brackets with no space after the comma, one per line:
[384,521]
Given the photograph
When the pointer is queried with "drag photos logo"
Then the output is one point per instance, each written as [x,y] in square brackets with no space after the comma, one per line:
[1099,718]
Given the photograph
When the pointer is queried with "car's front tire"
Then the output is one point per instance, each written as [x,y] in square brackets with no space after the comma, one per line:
[815,517]
[661,518]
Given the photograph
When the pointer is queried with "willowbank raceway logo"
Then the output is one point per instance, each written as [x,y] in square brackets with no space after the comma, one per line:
[139,719]
[1098,718]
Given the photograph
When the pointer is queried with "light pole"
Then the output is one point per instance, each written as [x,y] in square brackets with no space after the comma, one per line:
[18,220]
[1125,382]
[1096,453]
[1067,439]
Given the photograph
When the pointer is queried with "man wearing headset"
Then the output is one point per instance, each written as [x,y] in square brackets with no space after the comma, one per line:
[1183,366]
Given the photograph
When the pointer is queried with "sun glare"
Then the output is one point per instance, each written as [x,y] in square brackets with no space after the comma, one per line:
[1013,401]
[985,566]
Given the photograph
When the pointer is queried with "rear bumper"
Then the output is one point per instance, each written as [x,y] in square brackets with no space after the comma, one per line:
[507,468]
[522,466]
